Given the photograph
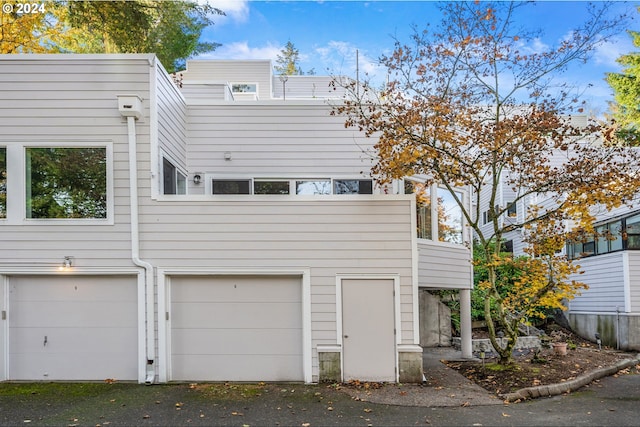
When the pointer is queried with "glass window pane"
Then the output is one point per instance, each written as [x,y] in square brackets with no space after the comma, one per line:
[354,186]
[633,225]
[423,207]
[313,187]
[231,186]
[168,177]
[449,217]
[271,187]
[181,183]
[66,182]
[615,242]
[3,182]
[244,87]
[602,246]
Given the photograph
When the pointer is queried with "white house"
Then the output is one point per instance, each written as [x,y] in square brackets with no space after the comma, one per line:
[226,231]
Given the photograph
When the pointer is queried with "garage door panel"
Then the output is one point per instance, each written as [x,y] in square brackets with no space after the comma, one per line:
[65,314]
[87,331]
[238,341]
[236,315]
[236,328]
[236,368]
[241,289]
[68,288]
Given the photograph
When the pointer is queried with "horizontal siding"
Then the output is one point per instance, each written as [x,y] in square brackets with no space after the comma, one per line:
[605,277]
[172,130]
[442,266]
[59,98]
[307,87]
[234,71]
[270,139]
[204,91]
[634,280]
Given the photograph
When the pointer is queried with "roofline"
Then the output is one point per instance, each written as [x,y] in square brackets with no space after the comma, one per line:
[75,56]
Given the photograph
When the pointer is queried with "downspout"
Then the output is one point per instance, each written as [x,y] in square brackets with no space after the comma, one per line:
[135,240]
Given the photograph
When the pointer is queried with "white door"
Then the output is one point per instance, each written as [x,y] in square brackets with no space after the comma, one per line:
[236,328]
[368,330]
[68,327]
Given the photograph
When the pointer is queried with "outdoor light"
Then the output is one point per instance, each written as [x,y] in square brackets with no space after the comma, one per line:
[66,264]
[197,179]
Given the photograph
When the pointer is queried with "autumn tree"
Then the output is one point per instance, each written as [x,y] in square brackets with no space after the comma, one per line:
[626,86]
[474,105]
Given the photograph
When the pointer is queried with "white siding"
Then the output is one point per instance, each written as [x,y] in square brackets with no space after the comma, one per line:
[218,91]
[61,98]
[605,276]
[365,235]
[233,71]
[634,280]
[172,111]
[299,139]
[444,266]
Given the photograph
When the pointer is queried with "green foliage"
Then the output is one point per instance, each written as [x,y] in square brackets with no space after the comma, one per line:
[66,183]
[626,87]
[287,62]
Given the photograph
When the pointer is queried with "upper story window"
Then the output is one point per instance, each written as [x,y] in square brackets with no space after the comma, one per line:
[173,180]
[283,186]
[613,236]
[3,182]
[66,182]
[271,187]
[315,186]
[231,186]
[244,87]
[448,212]
[352,186]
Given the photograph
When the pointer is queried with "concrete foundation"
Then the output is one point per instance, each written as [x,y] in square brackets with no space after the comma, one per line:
[616,330]
[484,344]
[435,321]
[329,367]
[411,366]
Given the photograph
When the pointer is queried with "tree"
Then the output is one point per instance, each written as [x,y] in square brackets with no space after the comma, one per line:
[472,105]
[287,61]
[626,87]
[170,29]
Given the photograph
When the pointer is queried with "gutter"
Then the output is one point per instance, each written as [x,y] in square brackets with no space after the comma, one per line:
[130,107]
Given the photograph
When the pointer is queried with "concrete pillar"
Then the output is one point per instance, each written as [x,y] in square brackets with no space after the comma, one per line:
[465,323]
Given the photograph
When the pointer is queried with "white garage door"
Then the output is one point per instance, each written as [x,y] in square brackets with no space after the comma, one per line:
[73,328]
[236,328]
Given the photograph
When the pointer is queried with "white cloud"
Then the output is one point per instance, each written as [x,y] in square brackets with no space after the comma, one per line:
[236,10]
[242,50]
[607,53]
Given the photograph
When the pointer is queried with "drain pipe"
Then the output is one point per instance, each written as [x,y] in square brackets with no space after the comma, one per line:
[130,107]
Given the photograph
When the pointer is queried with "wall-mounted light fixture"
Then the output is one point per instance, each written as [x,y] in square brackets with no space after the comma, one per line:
[227,155]
[197,178]
[66,264]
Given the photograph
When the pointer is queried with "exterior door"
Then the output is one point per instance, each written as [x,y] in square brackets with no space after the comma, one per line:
[368,330]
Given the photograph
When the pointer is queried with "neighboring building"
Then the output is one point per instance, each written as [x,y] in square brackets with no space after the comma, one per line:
[217,232]
[610,267]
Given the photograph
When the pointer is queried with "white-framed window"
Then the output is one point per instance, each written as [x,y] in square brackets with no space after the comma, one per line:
[352,186]
[244,87]
[271,186]
[174,181]
[66,182]
[231,186]
[288,186]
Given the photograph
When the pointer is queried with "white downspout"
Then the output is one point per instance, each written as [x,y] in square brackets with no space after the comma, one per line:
[135,253]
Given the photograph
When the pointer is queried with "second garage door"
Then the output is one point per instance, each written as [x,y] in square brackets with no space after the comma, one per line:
[236,328]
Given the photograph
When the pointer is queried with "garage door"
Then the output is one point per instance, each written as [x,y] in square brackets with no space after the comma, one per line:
[73,328]
[236,328]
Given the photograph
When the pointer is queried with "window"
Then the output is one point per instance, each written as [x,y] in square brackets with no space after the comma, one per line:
[633,232]
[3,182]
[174,182]
[449,217]
[507,246]
[354,186]
[66,182]
[231,186]
[423,207]
[321,186]
[271,187]
[244,88]
[512,210]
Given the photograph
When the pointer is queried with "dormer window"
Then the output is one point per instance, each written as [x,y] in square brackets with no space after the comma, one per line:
[244,88]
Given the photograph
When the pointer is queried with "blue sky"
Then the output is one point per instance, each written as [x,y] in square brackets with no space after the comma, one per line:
[329,33]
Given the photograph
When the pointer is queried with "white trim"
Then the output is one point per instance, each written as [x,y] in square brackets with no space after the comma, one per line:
[415,271]
[154,139]
[285,198]
[396,306]
[160,174]
[4,344]
[16,181]
[626,281]
[164,304]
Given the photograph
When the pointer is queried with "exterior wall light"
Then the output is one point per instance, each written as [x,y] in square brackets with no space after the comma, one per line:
[197,178]
[66,264]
